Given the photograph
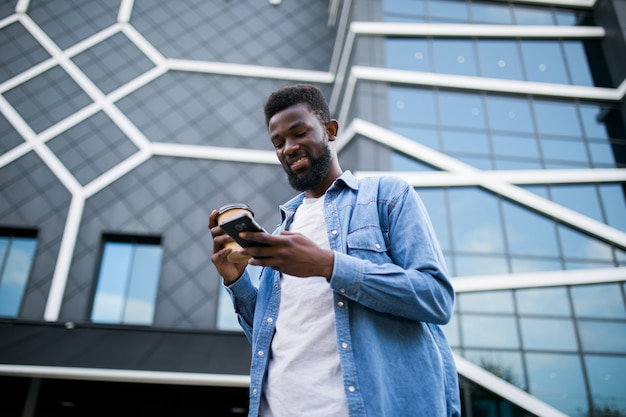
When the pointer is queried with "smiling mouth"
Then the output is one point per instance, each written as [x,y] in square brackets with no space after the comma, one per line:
[297,163]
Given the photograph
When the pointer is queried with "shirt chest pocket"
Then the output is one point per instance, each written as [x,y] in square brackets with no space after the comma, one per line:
[367,242]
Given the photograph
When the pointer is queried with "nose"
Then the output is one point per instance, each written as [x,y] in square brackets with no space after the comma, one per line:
[290,147]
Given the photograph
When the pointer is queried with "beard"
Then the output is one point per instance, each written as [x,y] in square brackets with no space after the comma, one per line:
[313,177]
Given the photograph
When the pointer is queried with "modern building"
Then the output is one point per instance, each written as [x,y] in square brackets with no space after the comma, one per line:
[124,123]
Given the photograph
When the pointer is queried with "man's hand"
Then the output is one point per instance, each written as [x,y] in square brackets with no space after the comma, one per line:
[229,271]
[290,253]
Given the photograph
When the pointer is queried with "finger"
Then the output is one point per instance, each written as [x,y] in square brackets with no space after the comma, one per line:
[213,219]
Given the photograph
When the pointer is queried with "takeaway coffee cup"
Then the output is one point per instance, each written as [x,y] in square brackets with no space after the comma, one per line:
[229,212]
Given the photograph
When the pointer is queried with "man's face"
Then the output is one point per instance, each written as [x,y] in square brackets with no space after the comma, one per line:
[301,143]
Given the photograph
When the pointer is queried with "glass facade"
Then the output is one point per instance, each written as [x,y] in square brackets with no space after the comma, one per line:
[125,120]
[543,340]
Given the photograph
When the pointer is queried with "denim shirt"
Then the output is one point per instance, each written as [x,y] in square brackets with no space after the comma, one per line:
[391,293]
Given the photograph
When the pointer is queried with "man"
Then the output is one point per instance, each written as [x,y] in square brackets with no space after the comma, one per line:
[345,321]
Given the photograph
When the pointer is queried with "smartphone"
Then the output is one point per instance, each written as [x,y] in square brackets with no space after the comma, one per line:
[242,223]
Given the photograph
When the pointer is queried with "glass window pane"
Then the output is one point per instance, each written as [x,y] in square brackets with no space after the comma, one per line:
[127,284]
[400,162]
[557,379]
[448,10]
[592,124]
[491,13]
[476,221]
[408,54]
[577,246]
[16,259]
[486,302]
[502,163]
[144,279]
[452,56]
[425,136]
[113,279]
[456,141]
[506,365]
[607,379]
[489,332]
[499,59]
[581,198]
[510,114]
[529,233]
[468,265]
[528,15]
[602,336]
[601,155]
[548,301]
[544,62]
[586,301]
[548,334]
[565,150]
[521,265]
[412,106]
[558,119]
[515,146]
[461,110]
[435,202]
[577,63]
[614,205]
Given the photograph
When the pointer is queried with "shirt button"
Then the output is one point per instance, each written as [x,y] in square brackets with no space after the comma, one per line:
[344,345]
[260,353]
[334,232]
[377,246]
[342,290]
[340,303]
[254,391]
[269,319]
[351,388]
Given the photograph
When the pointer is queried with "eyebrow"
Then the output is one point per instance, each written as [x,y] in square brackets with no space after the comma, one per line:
[294,126]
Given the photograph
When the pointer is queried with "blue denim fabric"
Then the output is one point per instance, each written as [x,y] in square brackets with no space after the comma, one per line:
[391,293]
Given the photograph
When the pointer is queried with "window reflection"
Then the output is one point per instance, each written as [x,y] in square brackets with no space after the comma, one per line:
[558,380]
[602,300]
[435,202]
[603,336]
[548,334]
[475,218]
[577,246]
[548,301]
[607,379]
[529,233]
[17,252]
[489,332]
[127,283]
[506,365]
[486,302]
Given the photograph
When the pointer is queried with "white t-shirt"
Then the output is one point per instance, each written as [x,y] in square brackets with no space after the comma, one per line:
[304,376]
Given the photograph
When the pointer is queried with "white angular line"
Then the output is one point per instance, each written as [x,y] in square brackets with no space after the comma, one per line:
[256,71]
[126,375]
[442,30]
[537,279]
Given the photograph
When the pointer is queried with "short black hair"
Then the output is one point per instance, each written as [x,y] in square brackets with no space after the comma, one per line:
[295,94]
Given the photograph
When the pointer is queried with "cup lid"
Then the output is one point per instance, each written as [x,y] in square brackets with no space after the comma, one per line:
[234,206]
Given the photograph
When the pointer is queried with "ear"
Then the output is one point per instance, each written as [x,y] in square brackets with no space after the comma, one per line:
[332,128]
